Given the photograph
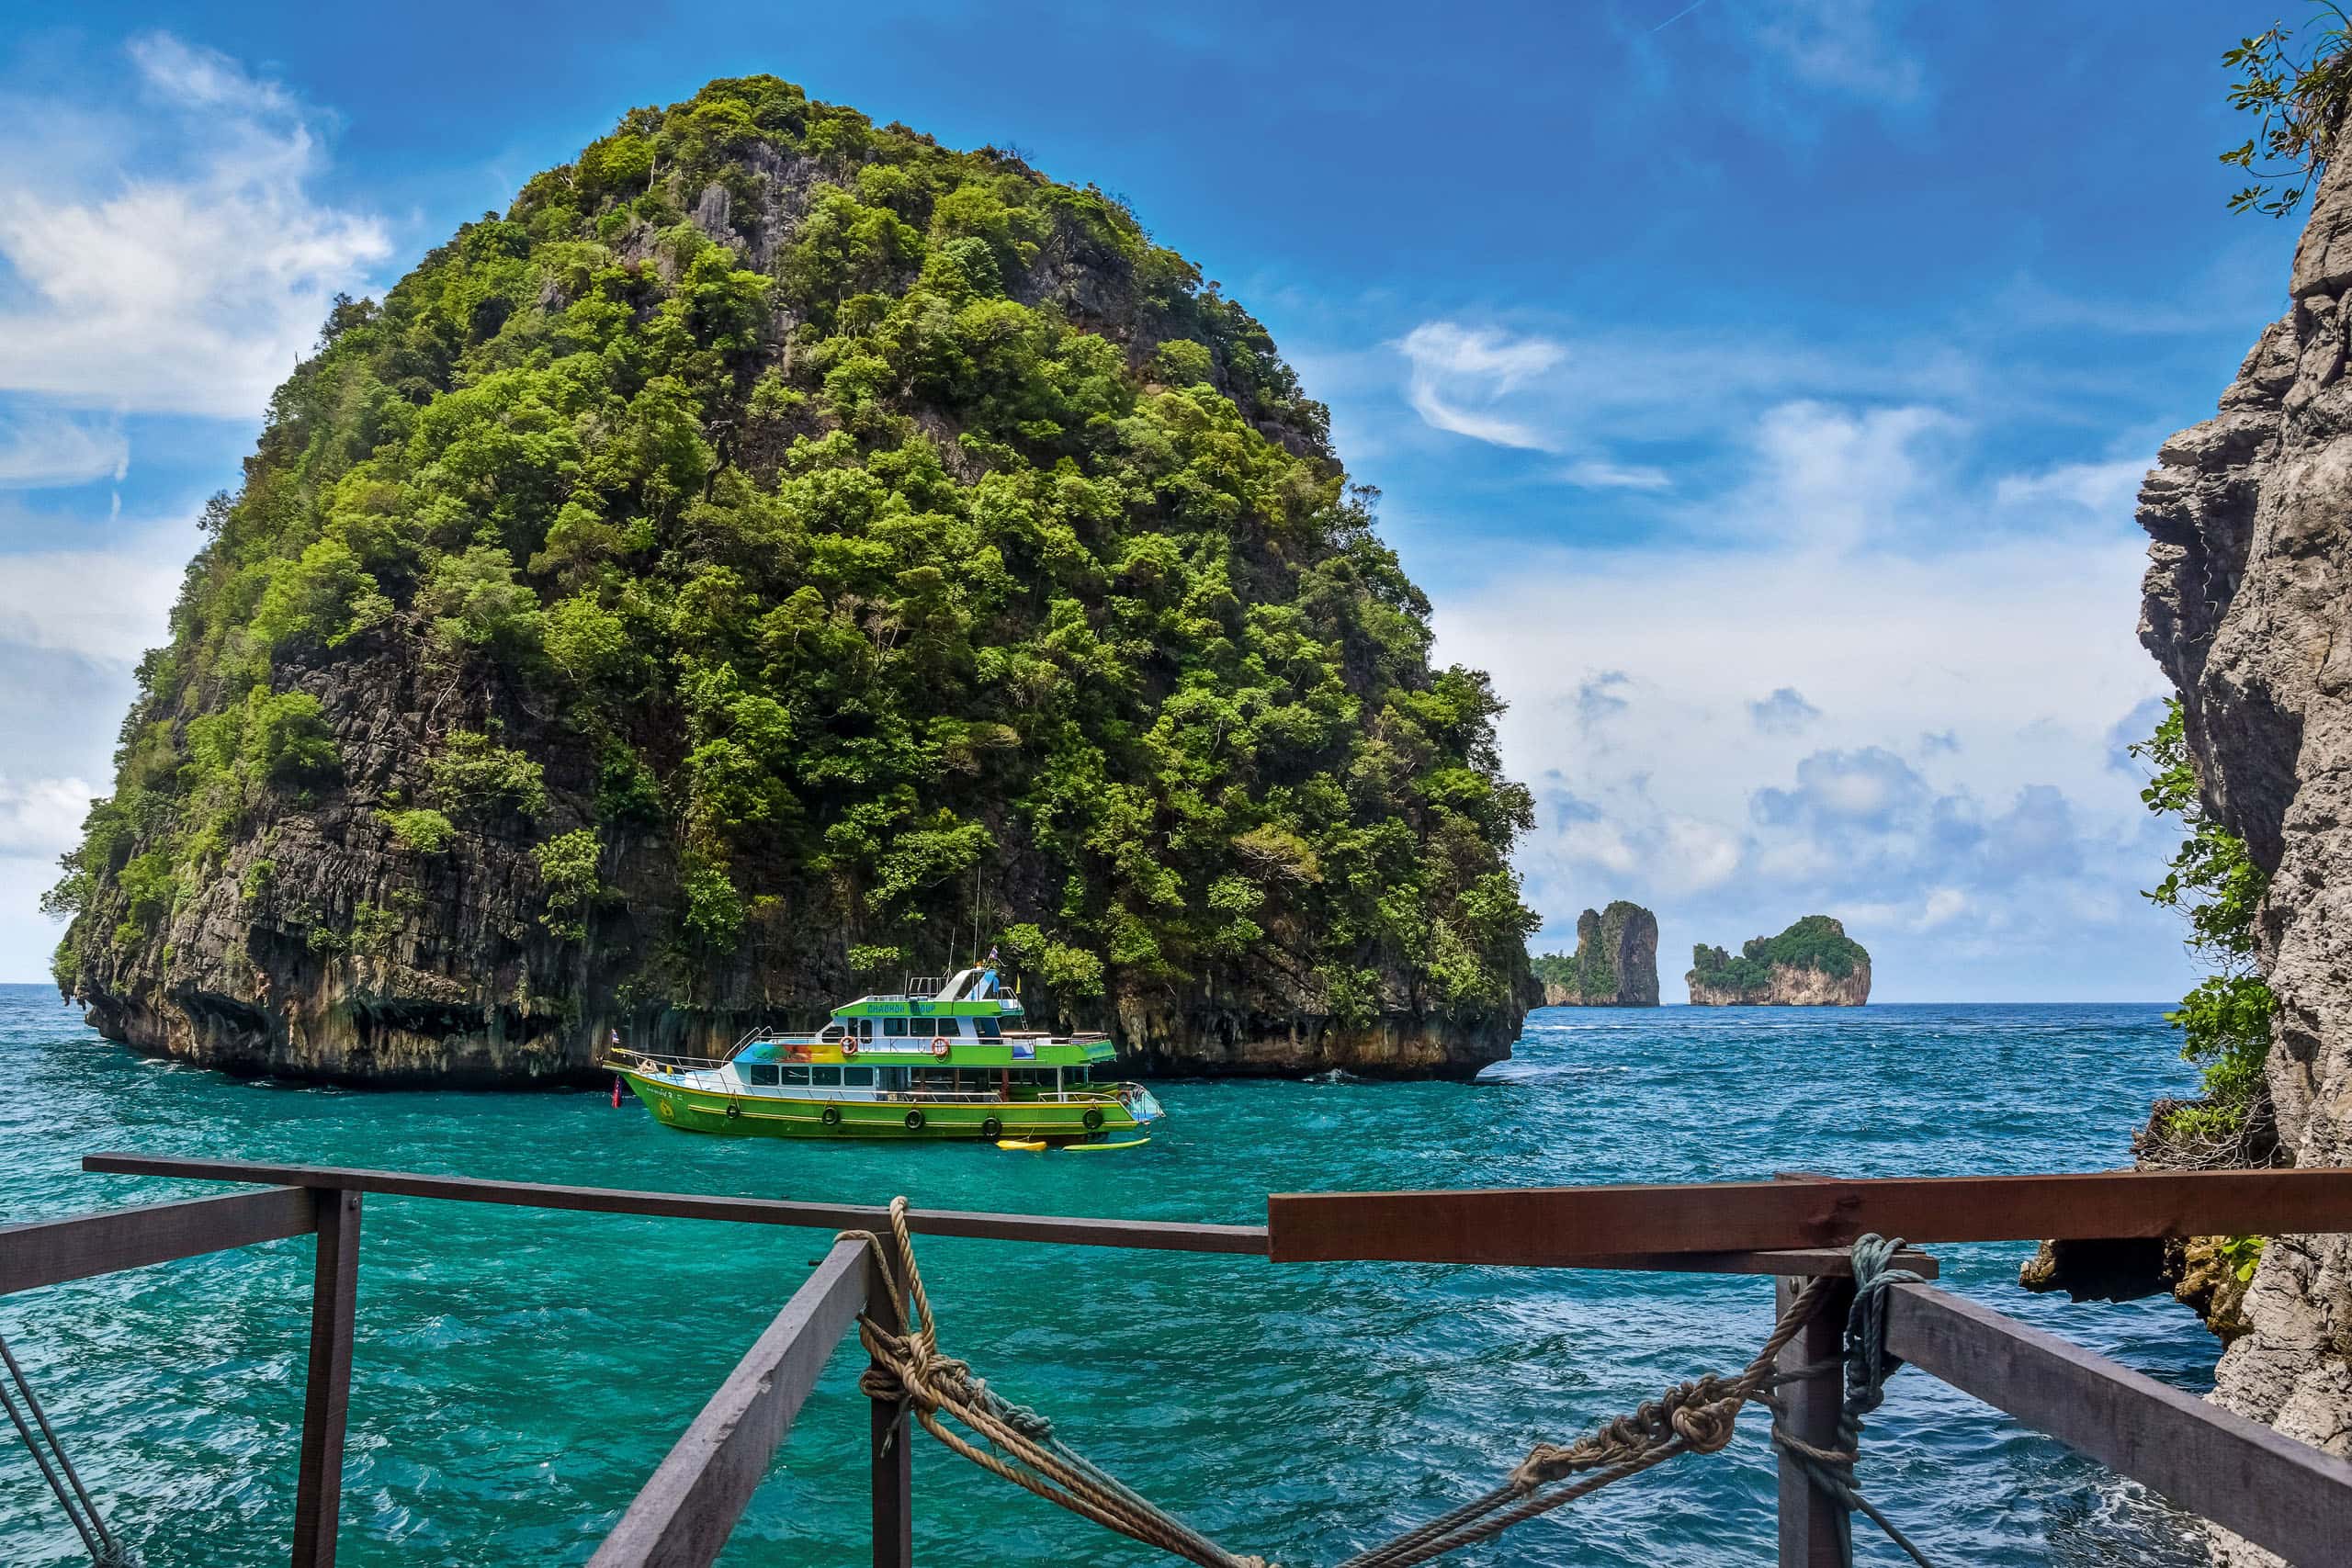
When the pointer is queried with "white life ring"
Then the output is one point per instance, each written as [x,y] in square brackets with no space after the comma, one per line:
[939,1048]
[849,1048]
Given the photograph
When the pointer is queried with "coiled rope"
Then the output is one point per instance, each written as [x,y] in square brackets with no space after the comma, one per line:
[1867,1368]
[1696,1416]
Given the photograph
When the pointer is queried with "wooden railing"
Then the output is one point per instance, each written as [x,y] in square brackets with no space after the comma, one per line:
[2282,1495]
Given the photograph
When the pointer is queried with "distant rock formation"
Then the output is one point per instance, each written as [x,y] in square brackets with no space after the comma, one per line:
[1615,963]
[1812,963]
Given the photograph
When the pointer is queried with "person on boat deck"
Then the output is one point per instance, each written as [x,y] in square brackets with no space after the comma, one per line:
[987,974]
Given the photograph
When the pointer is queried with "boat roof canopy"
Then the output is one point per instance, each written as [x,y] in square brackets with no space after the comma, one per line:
[915,1051]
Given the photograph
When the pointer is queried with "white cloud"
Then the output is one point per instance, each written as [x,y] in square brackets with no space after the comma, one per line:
[1862,684]
[43,448]
[193,286]
[1615,476]
[108,605]
[1459,374]
[1785,712]
[1841,46]
[2104,490]
[41,818]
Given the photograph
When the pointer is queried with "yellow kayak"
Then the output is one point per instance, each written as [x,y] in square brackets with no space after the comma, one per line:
[1021,1143]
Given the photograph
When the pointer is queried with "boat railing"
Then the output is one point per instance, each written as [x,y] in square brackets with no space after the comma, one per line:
[2278,1493]
[628,1054]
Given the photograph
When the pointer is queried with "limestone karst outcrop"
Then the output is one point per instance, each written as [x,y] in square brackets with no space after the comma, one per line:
[1812,963]
[778,553]
[1615,962]
[2248,608]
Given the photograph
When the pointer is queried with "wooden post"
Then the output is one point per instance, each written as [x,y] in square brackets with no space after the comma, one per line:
[1809,1523]
[893,1450]
[682,1515]
[326,1387]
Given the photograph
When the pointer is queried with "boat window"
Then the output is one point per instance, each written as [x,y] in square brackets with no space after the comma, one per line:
[923,1026]
[825,1077]
[831,1033]
[763,1076]
[987,1027]
[857,1077]
[795,1076]
[894,1026]
[865,1027]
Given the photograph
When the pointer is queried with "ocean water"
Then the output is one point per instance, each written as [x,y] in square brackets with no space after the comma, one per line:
[519,1374]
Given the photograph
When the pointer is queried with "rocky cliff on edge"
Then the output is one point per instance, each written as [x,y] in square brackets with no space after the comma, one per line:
[2248,608]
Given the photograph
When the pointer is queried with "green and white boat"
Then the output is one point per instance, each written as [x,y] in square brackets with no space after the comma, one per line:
[941,1059]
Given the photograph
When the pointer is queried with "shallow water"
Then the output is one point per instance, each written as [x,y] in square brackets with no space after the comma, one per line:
[519,1374]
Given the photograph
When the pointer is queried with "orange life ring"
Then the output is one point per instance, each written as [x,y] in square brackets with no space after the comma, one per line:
[939,1049]
[849,1047]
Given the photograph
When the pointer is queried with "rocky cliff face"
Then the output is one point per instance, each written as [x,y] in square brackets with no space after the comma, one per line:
[1812,963]
[1615,962]
[1787,985]
[2248,607]
[778,554]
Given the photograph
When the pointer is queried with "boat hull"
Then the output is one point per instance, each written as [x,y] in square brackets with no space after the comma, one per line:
[694,1110]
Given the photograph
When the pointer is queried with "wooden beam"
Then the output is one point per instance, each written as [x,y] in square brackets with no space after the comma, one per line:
[1810,1531]
[2278,1493]
[50,1252]
[1563,1225]
[1156,1235]
[1803,1260]
[326,1386]
[685,1514]
[892,1466]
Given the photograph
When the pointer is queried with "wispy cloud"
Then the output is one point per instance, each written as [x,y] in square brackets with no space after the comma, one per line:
[1839,46]
[40,817]
[1785,712]
[107,606]
[1460,375]
[1592,475]
[43,448]
[192,285]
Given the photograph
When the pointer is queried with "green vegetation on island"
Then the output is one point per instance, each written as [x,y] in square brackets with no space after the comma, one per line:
[1816,945]
[785,542]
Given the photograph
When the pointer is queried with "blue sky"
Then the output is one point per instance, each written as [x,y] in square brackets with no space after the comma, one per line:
[1757,387]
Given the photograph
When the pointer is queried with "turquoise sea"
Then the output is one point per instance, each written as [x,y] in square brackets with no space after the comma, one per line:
[519,1374]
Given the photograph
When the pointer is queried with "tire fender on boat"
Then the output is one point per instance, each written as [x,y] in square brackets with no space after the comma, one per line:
[1093,1119]
[914,1121]
[733,1111]
[831,1116]
[991,1128]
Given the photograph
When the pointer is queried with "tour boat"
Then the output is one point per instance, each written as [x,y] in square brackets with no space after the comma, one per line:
[939,1060]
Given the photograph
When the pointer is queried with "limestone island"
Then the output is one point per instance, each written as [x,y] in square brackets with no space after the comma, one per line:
[1615,963]
[1812,963]
[779,555]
